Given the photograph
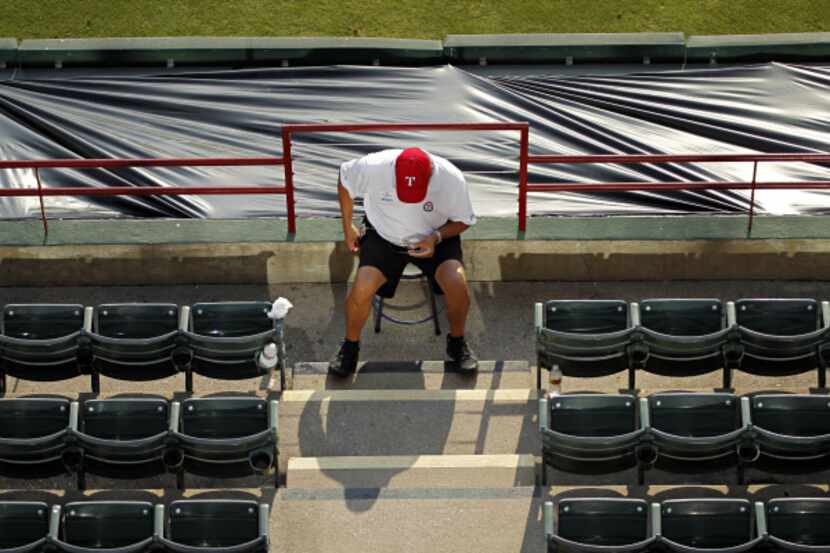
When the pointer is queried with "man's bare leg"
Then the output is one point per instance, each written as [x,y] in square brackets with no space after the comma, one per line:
[359,301]
[358,304]
[452,280]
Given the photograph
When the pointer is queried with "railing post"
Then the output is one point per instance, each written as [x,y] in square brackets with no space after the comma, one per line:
[42,207]
[523,154]
[752,199]
[289,180]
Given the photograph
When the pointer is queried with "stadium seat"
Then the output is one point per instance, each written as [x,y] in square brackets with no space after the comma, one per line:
[24,526]
[589,433]
[231,526]
[128,526]
[593,525]
[681,337]
[789,427]
[226,340]
[689,431]
[227,436]
[34,431]
[583,338]
[122,437]
[41,342]
[697,525]
[797,524]
[782,337]
[134,341]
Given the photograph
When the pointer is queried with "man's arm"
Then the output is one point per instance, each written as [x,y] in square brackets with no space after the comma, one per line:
[351,234]
[426,248]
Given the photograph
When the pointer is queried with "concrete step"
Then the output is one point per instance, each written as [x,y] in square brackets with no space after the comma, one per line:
[413,375]
[412,471]
[412,520]
[335,423]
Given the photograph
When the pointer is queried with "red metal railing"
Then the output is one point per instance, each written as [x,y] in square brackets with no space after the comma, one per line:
[41,191]
[524,160]
[522,128]
[752,185]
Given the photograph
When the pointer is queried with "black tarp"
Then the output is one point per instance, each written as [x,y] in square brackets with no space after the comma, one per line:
[220,113]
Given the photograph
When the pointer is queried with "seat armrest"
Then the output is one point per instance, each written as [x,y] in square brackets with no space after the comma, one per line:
[538,315]
[548,519]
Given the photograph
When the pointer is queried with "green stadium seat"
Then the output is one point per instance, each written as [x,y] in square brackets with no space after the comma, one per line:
[226,339]
[693,431]
[229,526]
[611,525]
[134,341]
[40,342]
[682,337]
[782,337]
[121,437]
[798,524]
[35,431]
[699,525]
[125,526]
[227,436]
[583,338]
[788,428]
[589,433]
[24,526]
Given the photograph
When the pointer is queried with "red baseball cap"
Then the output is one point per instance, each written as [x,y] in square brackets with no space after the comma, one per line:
[412,171]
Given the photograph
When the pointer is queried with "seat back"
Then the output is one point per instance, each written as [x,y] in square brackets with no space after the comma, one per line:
[224,417]
[107,524]
[695,415]
[204,523]
[682,317]
[586,316]
[802,521]
[231,319]
[603,521]
[124,419]
[707,523]
[780,317]
[41,321]
[593,415]
[22,523]
[136,320]
[33,417]
[791,415]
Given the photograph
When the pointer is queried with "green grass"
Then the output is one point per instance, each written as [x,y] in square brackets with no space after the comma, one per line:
[402,18]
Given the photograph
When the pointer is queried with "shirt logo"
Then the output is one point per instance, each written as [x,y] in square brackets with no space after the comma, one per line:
[428,207]
[387,197]
[410,181]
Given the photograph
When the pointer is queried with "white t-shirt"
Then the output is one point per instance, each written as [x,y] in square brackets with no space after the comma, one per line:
[372,177]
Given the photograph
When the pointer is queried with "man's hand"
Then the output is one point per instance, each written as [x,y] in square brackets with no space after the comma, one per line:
[425,248]
[352,237]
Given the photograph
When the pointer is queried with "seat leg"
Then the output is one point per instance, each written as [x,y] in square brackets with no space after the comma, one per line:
[632,378]
[2,383]
[80,477]
[544,473]
[727,378]
[95,382]
[378,302]
[282,378]
[180,479]
[641,474]
[276,469]
[822,372]
[434,308]
[538,374]
[741,476]
[188,381]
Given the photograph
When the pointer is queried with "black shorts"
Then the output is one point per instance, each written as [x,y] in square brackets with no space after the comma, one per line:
[391,260]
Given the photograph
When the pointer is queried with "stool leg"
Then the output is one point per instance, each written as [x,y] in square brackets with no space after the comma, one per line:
[434,309]
[378,301]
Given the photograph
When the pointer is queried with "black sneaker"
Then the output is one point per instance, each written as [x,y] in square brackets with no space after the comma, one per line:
[345,362]
[459,355]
